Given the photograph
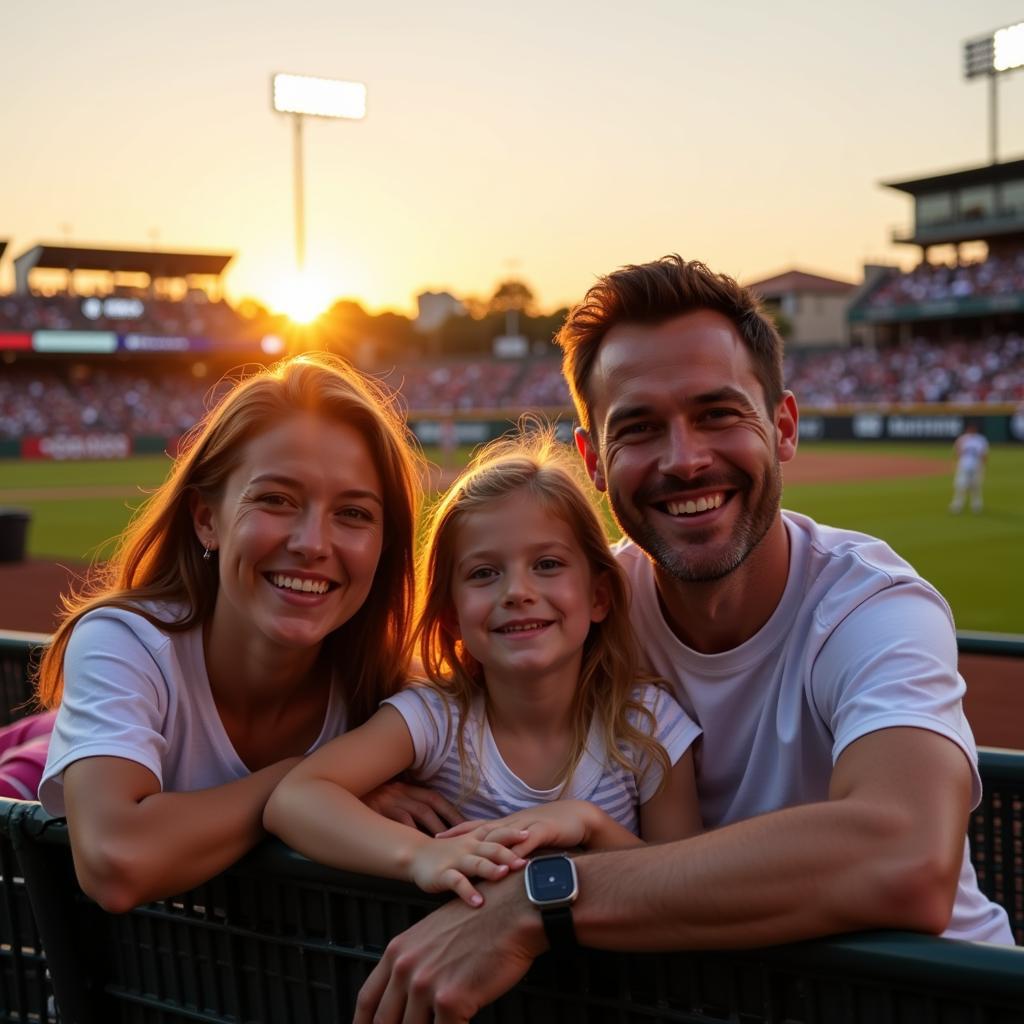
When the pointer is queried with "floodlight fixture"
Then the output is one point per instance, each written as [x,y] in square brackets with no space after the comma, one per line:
[304,96]
[319,97]
[1008,44]
[979,56]
[990,56]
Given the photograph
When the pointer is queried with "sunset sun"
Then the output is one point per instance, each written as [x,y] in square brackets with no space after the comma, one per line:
[301,296]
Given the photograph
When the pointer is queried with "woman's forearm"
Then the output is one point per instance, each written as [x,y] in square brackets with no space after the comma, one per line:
[129,851]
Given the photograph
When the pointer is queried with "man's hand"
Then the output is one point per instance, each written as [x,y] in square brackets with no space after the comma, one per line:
[452,963]
[414,806]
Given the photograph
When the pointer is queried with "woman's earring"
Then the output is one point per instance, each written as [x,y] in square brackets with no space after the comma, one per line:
[206,553]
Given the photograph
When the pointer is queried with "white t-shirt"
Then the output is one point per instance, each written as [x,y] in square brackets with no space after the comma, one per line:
[858,642]
[135,691]
[500,791]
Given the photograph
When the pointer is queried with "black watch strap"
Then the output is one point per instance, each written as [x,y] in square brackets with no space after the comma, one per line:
[559,929]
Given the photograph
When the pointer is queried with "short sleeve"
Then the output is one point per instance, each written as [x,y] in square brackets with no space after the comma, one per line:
[673,729]
[893,662]
[115,704]
[432,722]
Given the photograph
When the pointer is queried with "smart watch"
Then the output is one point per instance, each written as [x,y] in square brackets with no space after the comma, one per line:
[552,886]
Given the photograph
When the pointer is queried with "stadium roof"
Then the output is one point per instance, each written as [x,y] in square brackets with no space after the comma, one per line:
[790,281]
[987,174]
[155,263]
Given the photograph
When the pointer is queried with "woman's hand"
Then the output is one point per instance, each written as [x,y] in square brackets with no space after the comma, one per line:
[440,864]
[414,806]
[562,823]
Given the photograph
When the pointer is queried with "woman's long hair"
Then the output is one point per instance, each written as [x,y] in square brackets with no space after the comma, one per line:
[159,559]
[535,463]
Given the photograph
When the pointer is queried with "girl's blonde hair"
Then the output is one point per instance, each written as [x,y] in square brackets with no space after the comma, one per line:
[535,462]
[158,558]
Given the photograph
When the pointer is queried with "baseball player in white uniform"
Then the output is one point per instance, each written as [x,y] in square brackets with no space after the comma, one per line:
[972,454]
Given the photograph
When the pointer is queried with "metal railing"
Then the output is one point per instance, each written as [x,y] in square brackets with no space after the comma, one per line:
[277,938]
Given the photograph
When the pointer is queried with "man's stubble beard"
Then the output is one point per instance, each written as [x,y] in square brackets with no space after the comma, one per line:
[750,529]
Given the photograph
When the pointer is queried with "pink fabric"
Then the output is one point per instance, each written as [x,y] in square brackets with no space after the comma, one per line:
[23,747]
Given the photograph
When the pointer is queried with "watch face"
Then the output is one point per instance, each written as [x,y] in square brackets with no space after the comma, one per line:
[551,880]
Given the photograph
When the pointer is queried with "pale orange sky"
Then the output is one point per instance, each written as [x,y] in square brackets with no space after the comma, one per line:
[550,140]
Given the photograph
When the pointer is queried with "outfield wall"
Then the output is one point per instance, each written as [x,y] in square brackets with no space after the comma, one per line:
[917,423]
[912,425]
[467,429]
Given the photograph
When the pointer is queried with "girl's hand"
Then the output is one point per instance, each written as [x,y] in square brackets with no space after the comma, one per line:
[561,823]
[440,864]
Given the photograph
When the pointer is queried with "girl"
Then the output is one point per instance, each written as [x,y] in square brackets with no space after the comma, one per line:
[258,604]
[532,710]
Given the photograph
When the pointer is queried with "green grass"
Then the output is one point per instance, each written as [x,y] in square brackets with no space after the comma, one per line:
[142,471]
[976,561]
[82,529]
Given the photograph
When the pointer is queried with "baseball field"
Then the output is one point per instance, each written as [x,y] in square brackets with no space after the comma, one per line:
[898,492]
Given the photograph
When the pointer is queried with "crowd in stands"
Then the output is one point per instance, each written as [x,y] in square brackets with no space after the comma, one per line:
[115,400]
[127,312]
[984,371]
[996,275]
[133,400]
[457,387]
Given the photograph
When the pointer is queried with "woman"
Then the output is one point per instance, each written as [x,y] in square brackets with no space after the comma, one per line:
[258,605]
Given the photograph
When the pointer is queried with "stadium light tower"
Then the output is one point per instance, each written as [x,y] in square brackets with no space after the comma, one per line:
[303,96]
[992,55]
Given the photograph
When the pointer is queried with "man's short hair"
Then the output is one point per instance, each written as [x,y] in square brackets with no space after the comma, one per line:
[652,293]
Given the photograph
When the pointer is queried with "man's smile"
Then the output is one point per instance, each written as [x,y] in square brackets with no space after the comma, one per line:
[691,506]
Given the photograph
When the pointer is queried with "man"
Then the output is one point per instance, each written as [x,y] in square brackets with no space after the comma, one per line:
[971,454]
[836,771]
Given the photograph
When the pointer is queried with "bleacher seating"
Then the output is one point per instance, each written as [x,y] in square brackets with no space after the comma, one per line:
[967,372]
[196,316]
[139,399]
[929,282]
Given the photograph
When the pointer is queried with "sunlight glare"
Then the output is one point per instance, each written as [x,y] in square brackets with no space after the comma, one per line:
[302,297]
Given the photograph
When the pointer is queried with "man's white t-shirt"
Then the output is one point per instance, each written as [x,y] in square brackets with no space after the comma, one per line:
[433,722]
[136,691]
[858,642]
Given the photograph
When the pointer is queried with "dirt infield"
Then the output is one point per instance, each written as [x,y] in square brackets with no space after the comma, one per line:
[810,466]
[30,593]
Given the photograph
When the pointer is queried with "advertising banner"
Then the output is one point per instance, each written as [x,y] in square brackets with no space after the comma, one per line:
[944,427]
[65,447]
[468,432]
[10,340]
[160,343]
[74,341]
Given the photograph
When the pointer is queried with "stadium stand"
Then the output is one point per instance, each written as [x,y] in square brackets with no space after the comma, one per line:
[924,340]
[166,398]
[125,312]
[462,385]
[172,295]
[916,372]
[981,208]
[84,398]
[997,275]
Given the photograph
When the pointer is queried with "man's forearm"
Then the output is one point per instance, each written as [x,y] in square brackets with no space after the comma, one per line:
[793,874]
